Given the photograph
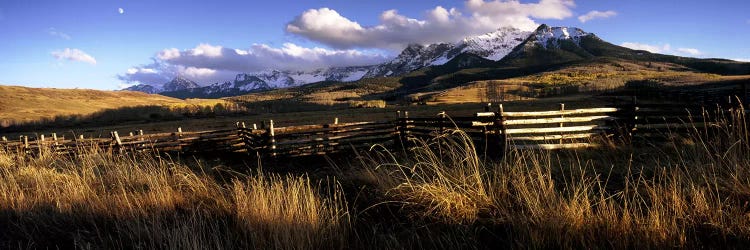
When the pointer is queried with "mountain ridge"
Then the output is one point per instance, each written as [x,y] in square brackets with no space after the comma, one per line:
[493,46]
[506,49]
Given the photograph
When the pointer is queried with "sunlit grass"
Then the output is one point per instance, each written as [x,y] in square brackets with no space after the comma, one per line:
[107,200]
[691,192]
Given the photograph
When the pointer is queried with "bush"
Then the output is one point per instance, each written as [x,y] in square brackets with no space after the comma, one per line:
[367,104]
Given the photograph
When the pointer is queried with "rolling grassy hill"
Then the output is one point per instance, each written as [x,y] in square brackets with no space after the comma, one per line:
[22,104]
[589,64]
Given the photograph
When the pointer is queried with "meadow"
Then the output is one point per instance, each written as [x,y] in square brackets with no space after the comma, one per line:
[692,191]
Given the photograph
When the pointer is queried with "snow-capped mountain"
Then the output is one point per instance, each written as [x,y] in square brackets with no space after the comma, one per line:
[179,83]
[492,46]
[495,45]
[555,45]
[414,57]
[258,81]
[551,36]
[283,79]
[176,84]
[144,88]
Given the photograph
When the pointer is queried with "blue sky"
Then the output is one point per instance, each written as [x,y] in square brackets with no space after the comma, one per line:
[92,44]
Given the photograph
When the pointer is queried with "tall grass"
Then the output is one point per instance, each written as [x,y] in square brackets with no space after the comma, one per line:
[693,193]
[141,201]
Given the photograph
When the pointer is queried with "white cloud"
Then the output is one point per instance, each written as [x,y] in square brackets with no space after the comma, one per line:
[74,55]
[663,49]
[194,72]
[689,51]
[168,54]
[741,59]
[56,33]
[152,73]
[595,14]
[395,31]
[120,10]
[647,47]
[209,63]
[207,50]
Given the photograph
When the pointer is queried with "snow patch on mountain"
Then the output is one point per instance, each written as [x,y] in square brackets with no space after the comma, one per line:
[495,45]
[551,36]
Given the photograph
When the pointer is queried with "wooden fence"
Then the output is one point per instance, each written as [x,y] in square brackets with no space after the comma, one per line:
[308,140]
[190,142]
[494,130]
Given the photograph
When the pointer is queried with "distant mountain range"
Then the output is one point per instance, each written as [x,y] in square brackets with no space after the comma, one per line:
[505,47]
[492,46]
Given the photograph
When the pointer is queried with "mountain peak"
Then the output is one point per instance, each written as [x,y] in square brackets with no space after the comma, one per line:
[542,27]
[146,88]
[179,83]
[495,45]
[551,36]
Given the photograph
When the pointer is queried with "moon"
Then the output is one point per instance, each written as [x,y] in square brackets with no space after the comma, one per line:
[120,10]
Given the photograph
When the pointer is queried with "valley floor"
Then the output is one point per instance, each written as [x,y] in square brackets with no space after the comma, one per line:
[690,192]
[94,128]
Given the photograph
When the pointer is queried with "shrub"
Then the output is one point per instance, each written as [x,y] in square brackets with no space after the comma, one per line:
[367,104]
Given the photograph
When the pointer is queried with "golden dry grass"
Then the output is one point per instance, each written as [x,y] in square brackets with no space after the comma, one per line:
[22,105]
[692,194]
[102,200]
[25,104]
[587,77]
[440,194]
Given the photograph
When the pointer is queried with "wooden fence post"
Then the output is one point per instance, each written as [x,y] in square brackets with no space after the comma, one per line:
[500,131]
[271,138]
[503,136]
[632,119]
[117,140]
[177,137]
[116,137]
[406,125]
[562,116]
[40,144]
[397,137]
[327,142]
[54,142]
[442,121]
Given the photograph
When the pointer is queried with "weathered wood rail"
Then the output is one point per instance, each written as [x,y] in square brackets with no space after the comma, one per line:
[493,130]
[192,142]
[314,139]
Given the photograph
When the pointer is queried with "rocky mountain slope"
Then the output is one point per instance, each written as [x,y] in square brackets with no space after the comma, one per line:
[506,52]
[492,46]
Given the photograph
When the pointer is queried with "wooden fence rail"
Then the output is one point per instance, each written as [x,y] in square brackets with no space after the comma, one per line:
[496,130]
